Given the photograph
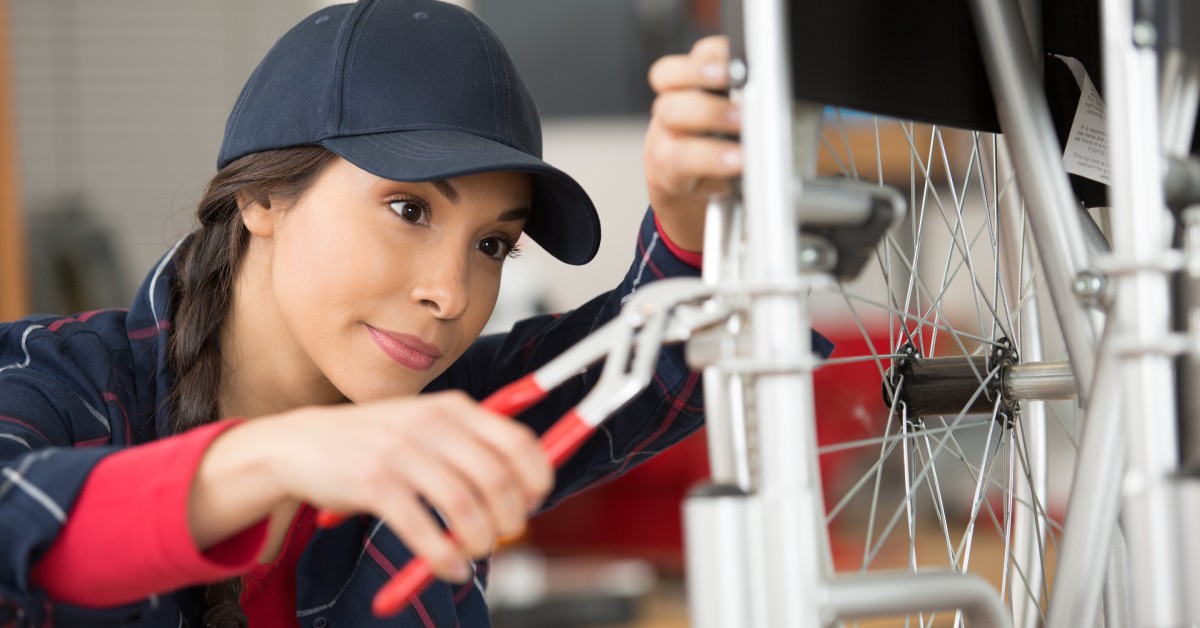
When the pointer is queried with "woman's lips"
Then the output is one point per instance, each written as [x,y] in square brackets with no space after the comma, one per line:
[407,350]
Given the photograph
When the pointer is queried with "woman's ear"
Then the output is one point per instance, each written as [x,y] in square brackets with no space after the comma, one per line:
[257,215]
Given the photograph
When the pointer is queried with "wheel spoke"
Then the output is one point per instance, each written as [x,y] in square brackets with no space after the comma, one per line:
[966,474]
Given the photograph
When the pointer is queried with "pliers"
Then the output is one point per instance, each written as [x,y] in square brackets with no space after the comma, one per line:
[663,312]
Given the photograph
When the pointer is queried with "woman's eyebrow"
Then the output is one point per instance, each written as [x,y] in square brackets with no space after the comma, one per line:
[447,189]
[519,213]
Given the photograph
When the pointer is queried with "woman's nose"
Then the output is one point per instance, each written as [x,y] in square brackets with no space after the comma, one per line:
[443,287]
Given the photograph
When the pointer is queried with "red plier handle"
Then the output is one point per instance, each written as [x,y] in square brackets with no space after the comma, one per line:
[558,443]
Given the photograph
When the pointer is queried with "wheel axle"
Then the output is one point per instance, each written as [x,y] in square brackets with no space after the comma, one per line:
[982,384]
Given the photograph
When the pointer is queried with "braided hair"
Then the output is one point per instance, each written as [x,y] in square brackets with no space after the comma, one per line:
[207,264]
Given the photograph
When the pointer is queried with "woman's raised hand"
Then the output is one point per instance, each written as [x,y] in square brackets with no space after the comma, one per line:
[484,473]
[690,151]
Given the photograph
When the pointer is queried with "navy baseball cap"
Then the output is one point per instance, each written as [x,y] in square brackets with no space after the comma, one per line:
[410,90]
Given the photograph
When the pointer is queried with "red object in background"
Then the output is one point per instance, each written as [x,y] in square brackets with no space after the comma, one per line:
[637,514]
[640,513]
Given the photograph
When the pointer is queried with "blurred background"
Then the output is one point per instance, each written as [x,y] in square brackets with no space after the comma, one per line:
[111,115]
[119,108]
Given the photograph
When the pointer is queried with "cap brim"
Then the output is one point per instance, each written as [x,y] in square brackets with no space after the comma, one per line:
[562,218]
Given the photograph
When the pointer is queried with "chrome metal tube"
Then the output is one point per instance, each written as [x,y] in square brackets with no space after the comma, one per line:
[1177,106]
[793,543]
[1116,583]
[1093,507]
[878,595]
[1031,16]
[1025,118]
[718,409]
[1039,380]
[1143,317]
[718,427]
[1094,236]
[718,572]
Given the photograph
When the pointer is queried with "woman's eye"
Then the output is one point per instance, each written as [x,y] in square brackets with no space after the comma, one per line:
[495,248]
[411,211]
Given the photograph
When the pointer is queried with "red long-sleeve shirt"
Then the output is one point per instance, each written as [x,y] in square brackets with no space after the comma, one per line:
[104,560]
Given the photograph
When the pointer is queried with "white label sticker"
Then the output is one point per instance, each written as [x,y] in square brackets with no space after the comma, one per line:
[1086,153]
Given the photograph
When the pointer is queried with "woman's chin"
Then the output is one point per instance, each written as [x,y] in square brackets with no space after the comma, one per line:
[390,388]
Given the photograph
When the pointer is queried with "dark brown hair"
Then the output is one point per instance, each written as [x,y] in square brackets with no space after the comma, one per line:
[206,265]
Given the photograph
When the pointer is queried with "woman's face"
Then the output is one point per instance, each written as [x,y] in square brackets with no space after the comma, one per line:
[383,284]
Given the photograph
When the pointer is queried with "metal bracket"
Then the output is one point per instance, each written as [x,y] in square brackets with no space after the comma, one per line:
[850,216]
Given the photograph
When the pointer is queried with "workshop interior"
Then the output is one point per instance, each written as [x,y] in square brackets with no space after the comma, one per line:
[111,116]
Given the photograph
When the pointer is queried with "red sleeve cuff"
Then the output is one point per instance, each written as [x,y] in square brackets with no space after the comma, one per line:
[127,535]
[691,258]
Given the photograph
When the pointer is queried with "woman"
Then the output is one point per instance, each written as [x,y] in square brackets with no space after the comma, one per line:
[162,466]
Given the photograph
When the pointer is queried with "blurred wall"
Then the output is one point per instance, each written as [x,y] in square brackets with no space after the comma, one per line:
[121,107]
[605,156]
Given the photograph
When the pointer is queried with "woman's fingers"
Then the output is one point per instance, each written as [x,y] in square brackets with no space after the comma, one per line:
[689,164]
[697,112]
[711,48]
[515,454]
[686,155]
[521,451]
[684,72]
[414,524]
[485,472]
[459,503]
[492,478]
[705,67]
[481,472]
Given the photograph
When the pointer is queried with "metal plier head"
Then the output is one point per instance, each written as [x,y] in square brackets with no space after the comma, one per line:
[660,313]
